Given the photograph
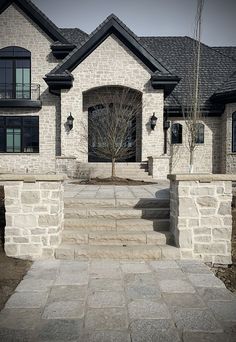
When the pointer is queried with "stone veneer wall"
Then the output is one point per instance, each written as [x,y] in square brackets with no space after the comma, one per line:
[17,29]
[207,157]
[34,215]
[228,157]
[201,219]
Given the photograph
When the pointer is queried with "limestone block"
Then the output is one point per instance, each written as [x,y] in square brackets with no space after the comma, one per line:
[223,259]
[202,231]
[50,186]
[29,249]
[39,231]
[30,197]
[187,207]
[25,220]
[203,191]
[207,211]
[11,192]
[20,239]
[225,208]
[211,221]
[207,201]
[207,248]
[54,240]
[202,238]
[185,238]
[221,234]
[11,250]
[48,220]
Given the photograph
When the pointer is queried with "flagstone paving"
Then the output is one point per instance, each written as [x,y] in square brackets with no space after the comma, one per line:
[119,301]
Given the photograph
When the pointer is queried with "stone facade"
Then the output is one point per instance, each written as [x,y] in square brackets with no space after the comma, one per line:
[201,219]
[158,167]
[16,28]
[207,156]
[34,215]
[228,157]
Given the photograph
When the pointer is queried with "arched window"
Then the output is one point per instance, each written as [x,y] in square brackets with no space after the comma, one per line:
[199,138]
[176,133]
[234,132]
[15,73]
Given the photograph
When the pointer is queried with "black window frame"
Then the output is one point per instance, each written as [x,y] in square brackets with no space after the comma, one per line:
[234,132]
[23,126]
[200,126]
[14,54]
[179,139]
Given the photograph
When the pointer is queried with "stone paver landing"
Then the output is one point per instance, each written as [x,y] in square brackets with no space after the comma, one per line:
[119,301]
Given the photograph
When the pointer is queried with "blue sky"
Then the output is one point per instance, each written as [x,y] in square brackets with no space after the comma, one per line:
[149,17]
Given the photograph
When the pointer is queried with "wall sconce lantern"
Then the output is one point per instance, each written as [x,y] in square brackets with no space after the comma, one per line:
[153,121]
[69,122]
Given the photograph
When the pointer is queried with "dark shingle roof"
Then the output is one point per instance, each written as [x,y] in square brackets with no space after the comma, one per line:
[74,35]
[228,86]
[178,53]
[91,41]
[229,51]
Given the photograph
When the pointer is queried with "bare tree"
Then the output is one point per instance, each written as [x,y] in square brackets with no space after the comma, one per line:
[191,111]
[112,125]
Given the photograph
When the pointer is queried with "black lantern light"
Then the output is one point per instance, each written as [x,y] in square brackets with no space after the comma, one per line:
[153,121]
[69,122]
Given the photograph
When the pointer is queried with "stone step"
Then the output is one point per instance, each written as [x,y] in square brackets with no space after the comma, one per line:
[116,238]
[76,202]
[117,213]
[71,252]
[129,225]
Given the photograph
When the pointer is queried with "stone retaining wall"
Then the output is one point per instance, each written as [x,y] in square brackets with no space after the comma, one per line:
[34,215]
[201,219]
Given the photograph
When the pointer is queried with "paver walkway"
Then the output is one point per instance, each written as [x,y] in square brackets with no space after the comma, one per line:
[119,301]
[159,190]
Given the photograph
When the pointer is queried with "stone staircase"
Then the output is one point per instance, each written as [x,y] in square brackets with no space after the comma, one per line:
[116,228]
[137,171]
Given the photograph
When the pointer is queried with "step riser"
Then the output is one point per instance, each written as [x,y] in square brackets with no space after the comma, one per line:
[116,252]
[143,203]
[115,239]
[119,225]
[119,214]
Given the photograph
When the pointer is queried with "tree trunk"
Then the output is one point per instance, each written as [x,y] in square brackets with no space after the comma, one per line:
[191,161]
[113,167]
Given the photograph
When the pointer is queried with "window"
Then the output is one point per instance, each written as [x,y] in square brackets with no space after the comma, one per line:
[19,134]
[176,133]
[234,132]
[199,139]
[15,73]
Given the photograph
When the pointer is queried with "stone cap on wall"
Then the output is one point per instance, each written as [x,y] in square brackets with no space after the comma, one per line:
[202,177]
[31,178]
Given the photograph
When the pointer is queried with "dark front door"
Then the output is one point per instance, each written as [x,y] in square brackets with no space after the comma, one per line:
[94,140]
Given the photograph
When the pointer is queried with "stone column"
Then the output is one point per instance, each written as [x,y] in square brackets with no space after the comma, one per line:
[34,215]
[159,167]
[201,219]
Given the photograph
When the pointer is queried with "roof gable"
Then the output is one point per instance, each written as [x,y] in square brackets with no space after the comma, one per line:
[112,25]
[37,16]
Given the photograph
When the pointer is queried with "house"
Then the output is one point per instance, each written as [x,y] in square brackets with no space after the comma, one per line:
[47,72]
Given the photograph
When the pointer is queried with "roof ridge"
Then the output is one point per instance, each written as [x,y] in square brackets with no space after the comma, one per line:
[94,32]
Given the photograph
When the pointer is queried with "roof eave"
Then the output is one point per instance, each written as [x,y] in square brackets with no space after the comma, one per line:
[165,82]
[225,97]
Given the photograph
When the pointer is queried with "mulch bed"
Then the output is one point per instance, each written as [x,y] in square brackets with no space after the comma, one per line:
[112,181]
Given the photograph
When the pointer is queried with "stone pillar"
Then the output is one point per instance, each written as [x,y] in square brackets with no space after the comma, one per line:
[201,219]
[34,215]
[152,140]
[159,167]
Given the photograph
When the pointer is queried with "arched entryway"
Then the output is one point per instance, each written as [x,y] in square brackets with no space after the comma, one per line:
[114,123]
